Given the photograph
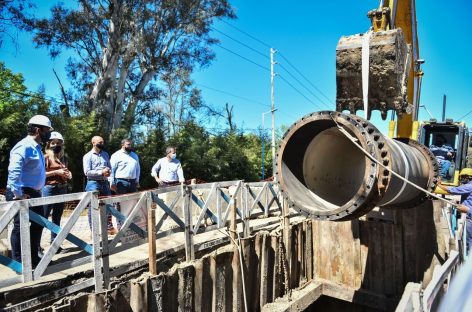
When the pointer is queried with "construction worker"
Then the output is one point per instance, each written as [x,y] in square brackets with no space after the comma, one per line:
[26,178]
[465,190]
[444,154]
[97,169]
[57,176]
[168,170]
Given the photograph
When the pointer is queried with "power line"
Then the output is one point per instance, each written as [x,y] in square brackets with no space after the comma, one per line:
[303,85]
[293,87]
[247,34]
[241,43]
[233,95]
[461,118]
[244,58]
[304,77]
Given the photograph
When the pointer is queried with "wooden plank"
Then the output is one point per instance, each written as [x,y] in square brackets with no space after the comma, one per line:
[61,236]
[25,242]
[121,198]
[204,207]
[151,229]
[40,201]
[166,209]
[173,204]
[96,239]
[12,209]
[309,250]
[129,220]
[104,255]
[189,247]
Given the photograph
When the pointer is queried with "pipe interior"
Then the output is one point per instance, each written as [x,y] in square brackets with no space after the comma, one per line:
[322,169]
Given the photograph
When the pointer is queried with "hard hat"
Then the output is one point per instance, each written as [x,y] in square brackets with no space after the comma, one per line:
[466,171]
[40,120]
[56,135]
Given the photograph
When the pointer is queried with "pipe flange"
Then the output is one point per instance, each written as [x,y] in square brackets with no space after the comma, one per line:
[366,196]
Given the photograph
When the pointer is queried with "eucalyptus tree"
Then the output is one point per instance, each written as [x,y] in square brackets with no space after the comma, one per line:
[123,48]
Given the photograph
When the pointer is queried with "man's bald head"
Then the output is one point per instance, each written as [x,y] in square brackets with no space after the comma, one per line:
[97,139]
[98,143]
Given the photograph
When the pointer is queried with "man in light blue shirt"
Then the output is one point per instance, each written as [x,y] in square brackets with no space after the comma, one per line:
[125,169]
[168,170]
[26,178]
[97,169]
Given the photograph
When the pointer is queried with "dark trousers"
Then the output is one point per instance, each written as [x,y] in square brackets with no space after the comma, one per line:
[103,189]
[35,229]
[56,209]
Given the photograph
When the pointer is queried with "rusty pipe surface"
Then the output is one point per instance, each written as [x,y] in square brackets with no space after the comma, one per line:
[324,175]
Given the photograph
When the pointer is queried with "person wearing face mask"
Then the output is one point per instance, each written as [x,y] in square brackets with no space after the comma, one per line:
[168,170]
[97,169]
[57,176]
[465,190]
[125,169]
[26,178]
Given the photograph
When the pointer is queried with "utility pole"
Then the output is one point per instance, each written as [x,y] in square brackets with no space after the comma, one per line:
[272,96]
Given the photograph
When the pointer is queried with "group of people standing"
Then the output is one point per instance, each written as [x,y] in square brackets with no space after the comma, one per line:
[32,174]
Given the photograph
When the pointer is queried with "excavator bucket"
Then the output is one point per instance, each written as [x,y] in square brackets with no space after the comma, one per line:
[388,69]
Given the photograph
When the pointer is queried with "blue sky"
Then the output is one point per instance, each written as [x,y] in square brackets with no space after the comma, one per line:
[305,33]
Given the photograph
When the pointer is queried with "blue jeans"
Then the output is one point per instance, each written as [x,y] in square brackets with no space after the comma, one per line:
[103,189]
[444,164]
[468,237]
[35,229]
[57,209]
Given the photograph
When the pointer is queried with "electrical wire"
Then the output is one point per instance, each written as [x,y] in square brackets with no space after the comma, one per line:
[243,57]
[304,86]
[247,34]
[462,118]
[233,95]
[299,92]
[306,79]
[241,43]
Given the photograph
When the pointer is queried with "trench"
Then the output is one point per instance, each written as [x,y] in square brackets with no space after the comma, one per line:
[358,265]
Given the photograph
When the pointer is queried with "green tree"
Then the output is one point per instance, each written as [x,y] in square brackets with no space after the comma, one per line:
[17,106]
[122,47]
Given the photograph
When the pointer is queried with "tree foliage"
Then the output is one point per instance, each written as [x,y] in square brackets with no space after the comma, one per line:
[17,106]
[122,46]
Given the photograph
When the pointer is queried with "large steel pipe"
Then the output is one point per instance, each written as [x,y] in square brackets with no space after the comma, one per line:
[324,174]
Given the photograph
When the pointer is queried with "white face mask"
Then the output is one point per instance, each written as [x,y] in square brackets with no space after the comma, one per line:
[173,156]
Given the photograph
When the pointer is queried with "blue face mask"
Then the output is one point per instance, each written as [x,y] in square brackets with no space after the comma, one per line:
[173,156]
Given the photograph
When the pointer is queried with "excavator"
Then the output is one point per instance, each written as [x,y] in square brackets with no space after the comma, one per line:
[337,166]
[385,62]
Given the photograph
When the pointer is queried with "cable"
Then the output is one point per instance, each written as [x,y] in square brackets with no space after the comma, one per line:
[293,87]
[303,85]
[459,119]
[242,43]
[233,95]
[243,57]
[247,34]
[353,140]
[300,73]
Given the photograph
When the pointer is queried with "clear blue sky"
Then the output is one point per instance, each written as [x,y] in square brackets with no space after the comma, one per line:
[305,33]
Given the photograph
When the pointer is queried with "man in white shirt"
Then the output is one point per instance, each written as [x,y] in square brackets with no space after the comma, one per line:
[168,170]
[125,169]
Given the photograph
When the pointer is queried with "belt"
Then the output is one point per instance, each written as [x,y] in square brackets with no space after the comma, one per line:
[97,180]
